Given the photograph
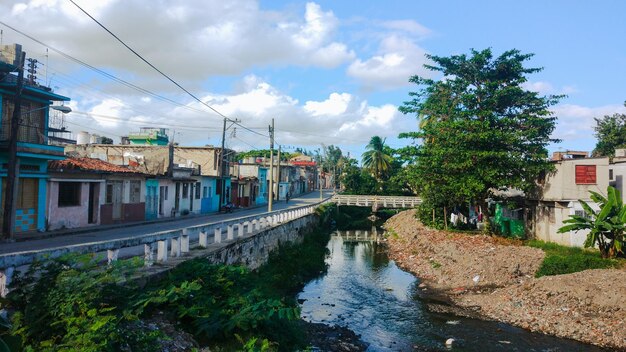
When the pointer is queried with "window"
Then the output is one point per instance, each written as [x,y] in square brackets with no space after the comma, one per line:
[69,194]
[585,174]
[205,192]
[198,187]
[185,190]
[109,194]
[610,174]
[582,213]
[135,191]
[166,192]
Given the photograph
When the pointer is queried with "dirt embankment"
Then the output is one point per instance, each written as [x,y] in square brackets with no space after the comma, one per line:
[494,279]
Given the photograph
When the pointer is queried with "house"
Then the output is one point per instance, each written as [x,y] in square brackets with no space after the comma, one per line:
[187,179]
[33,147]
[559,194]
[249,178]
[87,192]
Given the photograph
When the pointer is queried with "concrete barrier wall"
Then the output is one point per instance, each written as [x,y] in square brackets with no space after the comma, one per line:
[254,251]
[246,240]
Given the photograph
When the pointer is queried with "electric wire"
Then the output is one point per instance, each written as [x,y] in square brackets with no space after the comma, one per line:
[150,64]
[103,73]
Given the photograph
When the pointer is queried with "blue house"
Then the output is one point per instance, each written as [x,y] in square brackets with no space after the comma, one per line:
[33,148]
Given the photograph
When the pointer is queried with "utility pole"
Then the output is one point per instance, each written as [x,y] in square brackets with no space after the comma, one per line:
[13,168]
[320,177]
[271,188]
[221,167]
[222,160]
[278,176]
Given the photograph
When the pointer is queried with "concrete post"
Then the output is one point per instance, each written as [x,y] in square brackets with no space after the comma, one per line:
[203,239]
[148,254]
[218,235]
[162,250]
[112,255]
[274,219]
[240,229]
[254,225]
[248,226]
[230,232]
[6,275]
[175,247]
[184,244]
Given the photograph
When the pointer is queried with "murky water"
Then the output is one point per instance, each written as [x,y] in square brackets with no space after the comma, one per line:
[370,295]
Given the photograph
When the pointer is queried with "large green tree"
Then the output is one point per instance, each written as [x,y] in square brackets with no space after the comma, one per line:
[376,158]
[480,129]
[611,134]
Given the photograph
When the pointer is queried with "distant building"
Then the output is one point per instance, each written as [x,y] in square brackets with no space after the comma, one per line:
[148,136]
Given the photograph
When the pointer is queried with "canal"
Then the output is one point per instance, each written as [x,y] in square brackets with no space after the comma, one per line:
[366,292]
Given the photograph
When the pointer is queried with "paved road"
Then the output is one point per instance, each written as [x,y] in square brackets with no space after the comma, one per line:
[103,234]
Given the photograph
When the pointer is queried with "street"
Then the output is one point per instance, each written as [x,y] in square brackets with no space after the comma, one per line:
[99,234]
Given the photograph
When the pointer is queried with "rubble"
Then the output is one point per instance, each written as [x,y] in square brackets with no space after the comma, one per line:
[491,278]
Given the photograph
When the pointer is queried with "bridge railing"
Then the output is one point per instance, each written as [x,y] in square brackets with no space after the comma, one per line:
[158,246]
[381,201]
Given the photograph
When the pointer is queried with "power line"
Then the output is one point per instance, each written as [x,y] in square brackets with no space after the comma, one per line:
[148,63]
[101,72]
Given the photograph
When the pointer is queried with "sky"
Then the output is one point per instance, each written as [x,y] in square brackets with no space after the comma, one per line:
[327,72]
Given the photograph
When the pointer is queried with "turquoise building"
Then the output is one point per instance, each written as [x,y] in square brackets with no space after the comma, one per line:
[33,148]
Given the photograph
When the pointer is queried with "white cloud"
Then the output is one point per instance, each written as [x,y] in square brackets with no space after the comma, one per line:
[336,104]
[189,40]
[340,119]
[408,26]
[546,88]
[399,58]
[576,122]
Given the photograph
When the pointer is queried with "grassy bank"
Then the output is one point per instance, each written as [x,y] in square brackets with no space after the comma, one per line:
[565,260]
[74,304]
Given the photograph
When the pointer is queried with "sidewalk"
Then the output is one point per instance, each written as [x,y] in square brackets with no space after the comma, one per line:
[68,237]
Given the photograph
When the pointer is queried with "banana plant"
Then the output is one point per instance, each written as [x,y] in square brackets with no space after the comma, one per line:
[606,226]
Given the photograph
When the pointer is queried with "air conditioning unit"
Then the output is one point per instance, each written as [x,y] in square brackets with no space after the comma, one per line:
[11,54]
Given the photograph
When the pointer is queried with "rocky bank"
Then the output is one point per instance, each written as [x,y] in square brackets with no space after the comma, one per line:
[490,278]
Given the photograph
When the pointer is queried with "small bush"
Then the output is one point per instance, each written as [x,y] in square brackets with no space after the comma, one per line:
[566,260]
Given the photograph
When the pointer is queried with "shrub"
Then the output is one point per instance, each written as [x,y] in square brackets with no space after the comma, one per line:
[74,303]
[565,260]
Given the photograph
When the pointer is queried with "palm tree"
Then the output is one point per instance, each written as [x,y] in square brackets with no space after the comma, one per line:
[375,159]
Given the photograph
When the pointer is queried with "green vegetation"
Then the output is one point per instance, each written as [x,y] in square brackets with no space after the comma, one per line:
[73,304]
[611,134]
[383,172]
[376,160]
[479,130]
[77,304]
[606,227]
[565,260]
[265,153]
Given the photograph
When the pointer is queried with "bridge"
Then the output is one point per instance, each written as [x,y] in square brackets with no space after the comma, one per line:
[377,202]
[373,235]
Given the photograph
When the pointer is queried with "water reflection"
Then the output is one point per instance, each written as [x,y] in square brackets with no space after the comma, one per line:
[369,294]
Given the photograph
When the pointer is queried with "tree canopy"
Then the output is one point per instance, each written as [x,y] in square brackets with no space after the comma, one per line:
[611,134]
[479,128]
[376,158]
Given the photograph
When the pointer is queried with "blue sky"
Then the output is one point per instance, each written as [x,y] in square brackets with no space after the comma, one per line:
[328,72]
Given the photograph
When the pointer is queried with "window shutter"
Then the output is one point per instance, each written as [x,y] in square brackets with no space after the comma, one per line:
[585,174]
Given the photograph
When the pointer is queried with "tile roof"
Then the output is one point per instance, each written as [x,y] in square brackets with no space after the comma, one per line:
[87,164]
